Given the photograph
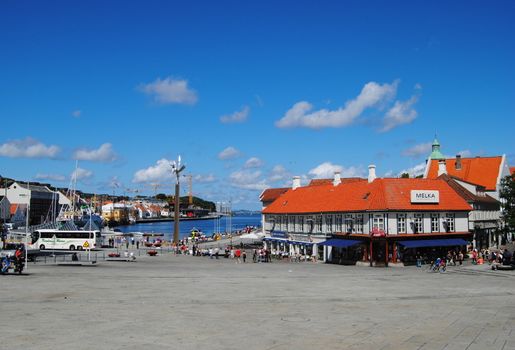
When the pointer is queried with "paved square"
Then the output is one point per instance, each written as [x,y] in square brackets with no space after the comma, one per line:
[184,302]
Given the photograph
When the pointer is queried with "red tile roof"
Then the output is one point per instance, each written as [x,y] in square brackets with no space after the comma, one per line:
[466,194]
[482,171]
[272,194]
[380,195]
[512,170]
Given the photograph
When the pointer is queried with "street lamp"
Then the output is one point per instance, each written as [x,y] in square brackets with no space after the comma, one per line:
[177,168]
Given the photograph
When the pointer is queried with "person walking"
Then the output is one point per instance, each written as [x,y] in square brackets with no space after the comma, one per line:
[237,254]
[244,256]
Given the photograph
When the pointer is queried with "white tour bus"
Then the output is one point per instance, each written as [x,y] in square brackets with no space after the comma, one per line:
[72,240]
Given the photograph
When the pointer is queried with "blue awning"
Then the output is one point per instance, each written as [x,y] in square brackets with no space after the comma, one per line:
[340,243]
[300,242]
[445,242]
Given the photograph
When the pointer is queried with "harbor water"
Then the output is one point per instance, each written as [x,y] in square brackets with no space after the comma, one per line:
[208,227]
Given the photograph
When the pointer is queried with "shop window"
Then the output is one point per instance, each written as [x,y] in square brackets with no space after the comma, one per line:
[329,223]
[401,223]
[418,223]
[435,223]
[358,226]
[349,223]
[291,223]
[319,223]
[339,221]
[378,222]
[449,223]
[310,223]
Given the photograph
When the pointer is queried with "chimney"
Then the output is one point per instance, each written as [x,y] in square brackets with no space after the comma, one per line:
[458,162]
[296,182]
[371,173]
[442,167]
[337,179]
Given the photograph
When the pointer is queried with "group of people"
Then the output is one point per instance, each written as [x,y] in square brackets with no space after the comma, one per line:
[499,257]
[266,255]
[456,257]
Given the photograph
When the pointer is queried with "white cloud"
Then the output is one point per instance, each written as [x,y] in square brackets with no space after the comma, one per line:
[389,173]
[104,153]
[28,148]
[326,170]
[279,173]
[253,162]
[372,94]
[248,180]
[169,90]
[422,149]
[204,178]
[77,113]
[401,113]
[229,153]
[465,153]
[81,174]
[53,177]
[236,117]
[415,171]
[162,170]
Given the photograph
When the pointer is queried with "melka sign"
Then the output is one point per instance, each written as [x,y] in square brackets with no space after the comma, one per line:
[422,196]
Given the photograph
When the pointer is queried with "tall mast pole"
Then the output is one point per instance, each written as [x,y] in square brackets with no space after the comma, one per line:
[177,168]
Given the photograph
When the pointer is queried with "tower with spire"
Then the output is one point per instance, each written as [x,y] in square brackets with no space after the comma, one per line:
[436,153]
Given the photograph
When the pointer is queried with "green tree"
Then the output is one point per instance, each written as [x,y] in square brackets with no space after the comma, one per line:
[161,196]
[404,176]
[507,194]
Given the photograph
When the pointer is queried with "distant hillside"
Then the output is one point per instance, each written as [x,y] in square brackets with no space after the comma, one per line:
[244,212]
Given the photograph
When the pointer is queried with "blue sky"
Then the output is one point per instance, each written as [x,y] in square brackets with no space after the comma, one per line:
[249,93]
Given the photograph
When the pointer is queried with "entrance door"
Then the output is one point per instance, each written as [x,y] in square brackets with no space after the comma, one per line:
[379,252]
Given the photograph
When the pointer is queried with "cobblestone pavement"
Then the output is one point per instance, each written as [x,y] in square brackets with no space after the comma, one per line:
[184,302]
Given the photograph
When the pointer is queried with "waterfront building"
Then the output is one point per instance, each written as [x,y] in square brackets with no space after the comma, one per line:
[377,221]
[485,216]
[119,212]
[478,179]
[42,200]
[267,197]
[483,171]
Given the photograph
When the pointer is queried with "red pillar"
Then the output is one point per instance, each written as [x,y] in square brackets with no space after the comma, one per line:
[394,255]
[386,251]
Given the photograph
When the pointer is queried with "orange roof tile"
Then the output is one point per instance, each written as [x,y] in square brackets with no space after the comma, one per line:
[272,194]
[512,170]
[482,171]
[380,195]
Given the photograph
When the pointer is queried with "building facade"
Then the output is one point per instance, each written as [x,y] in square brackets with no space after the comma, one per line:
[479,179]
[367,220]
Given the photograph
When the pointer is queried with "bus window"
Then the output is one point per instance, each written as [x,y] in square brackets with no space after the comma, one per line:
[34,236]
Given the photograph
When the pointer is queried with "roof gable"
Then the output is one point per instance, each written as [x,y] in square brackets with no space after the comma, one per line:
[482,171]
[272,194]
